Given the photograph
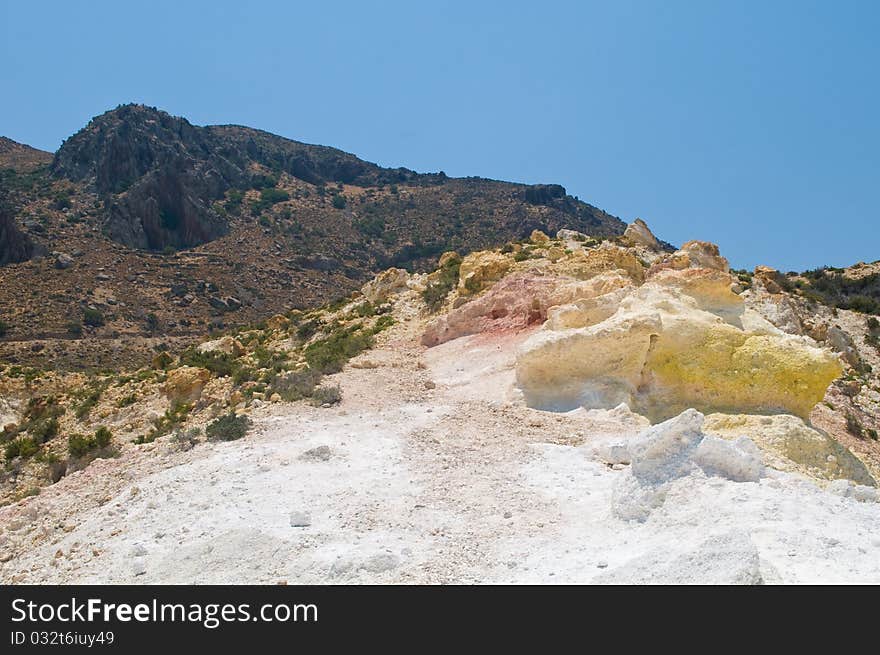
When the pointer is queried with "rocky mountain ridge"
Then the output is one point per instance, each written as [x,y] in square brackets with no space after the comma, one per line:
[168,230]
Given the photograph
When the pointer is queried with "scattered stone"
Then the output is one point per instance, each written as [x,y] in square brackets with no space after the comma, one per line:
[300,519]
[318,454]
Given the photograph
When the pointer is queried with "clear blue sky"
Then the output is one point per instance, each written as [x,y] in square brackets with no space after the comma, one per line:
[751,124]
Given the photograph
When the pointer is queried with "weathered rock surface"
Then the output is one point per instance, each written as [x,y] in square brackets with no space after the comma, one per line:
[682,339]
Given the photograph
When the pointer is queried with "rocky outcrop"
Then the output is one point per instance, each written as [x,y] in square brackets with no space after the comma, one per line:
[520,300]
[224,345]
[672,450]
[790,445]
[185,384]
[681,340]
[639,234]
[386,283]
[480,269]
[15,245]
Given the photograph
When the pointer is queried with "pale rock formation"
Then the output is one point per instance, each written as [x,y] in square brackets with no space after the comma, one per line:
[278,322]
[480,269]
[385,284]
[9,413]
[697,254]
[639,234]
[859,492]
[768,278]
[225,345]
[518,301]
[185,384]
[538,238]
[682,339]
[790,445]
[841,342]
[725,559]
[571,235]
[605,258]
[674,449]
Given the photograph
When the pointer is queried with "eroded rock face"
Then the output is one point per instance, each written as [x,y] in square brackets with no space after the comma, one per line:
[672,450]
[681,340]
[518,301]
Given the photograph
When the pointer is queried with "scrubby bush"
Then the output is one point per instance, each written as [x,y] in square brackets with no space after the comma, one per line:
[446,281]
[185,439]
[326,395]
[295,385]
[4,328]
[92,317]
[853,425]
[329,354]
[339,201]
[228,427]
[80,445]
[21,447]
[220,364]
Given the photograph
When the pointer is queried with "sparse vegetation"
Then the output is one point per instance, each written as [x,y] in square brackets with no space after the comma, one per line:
[79,445]
[93,317]
[228,427]
[447,279]
[329,354]
[326,395]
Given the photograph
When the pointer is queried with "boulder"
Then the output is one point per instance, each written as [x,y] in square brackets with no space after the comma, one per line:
[538,238]
[697,254]
[63,260]
[278,322]
[386,283]
[604,258]
[225,345]
[185,384]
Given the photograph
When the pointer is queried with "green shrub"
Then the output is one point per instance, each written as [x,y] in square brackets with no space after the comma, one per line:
[75,328]
[446,281]
[44,429]
[853,425]
[228,427]
[4,328]
[220,364]
[173,416]
[326,395]
[872,324]
[93,317]
[295,385]
[329,354]
[22,447]
[103,436]
[339,201]
[185,439]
